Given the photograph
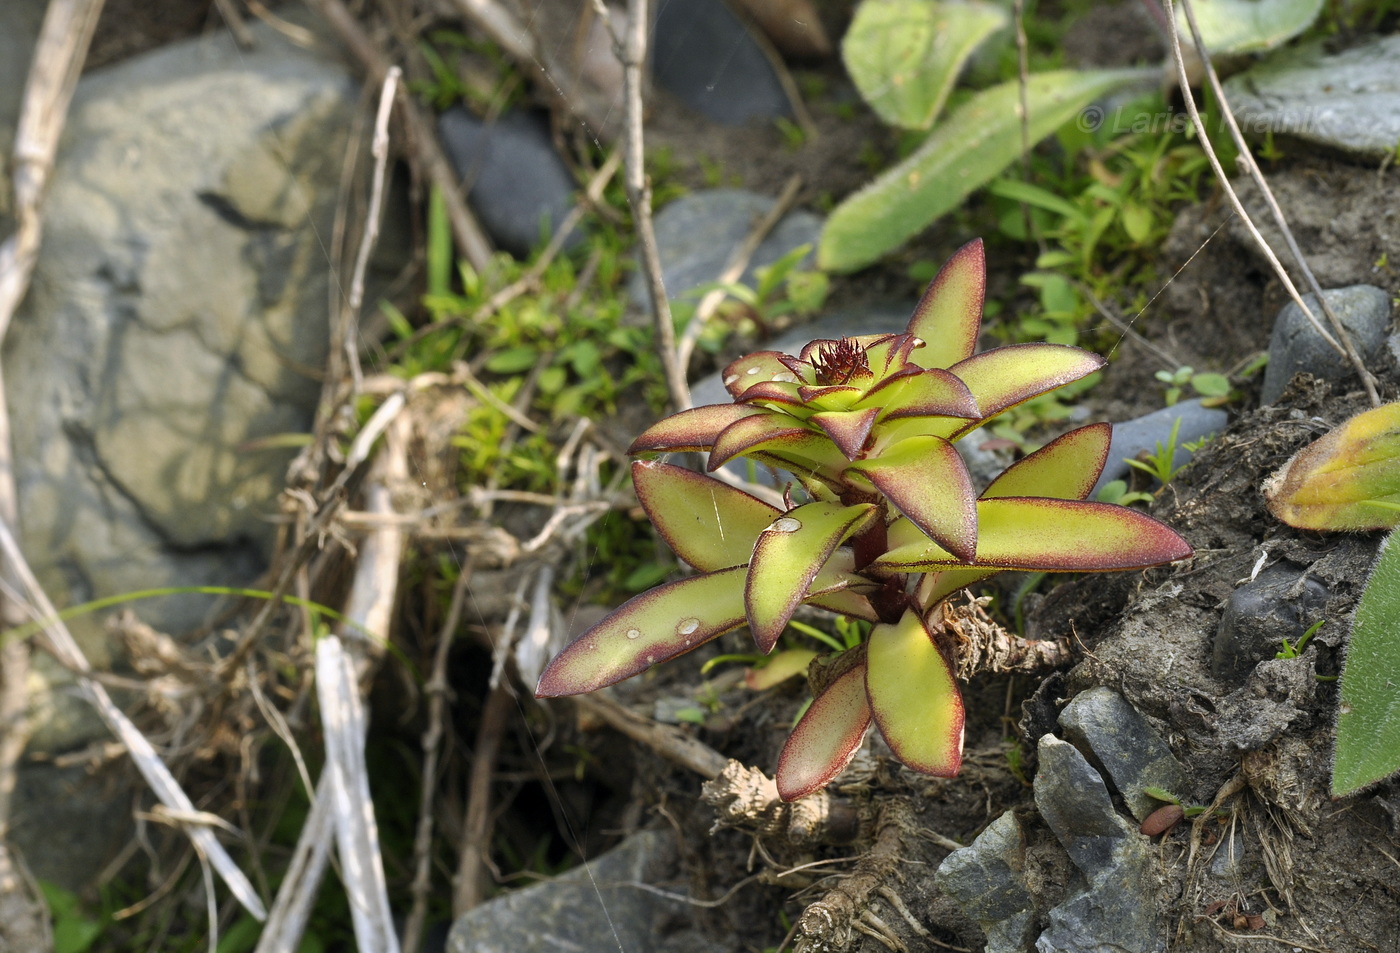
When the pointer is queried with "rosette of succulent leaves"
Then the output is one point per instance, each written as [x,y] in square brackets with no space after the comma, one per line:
[883,522]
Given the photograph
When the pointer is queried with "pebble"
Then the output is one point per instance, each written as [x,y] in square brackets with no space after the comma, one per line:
[987,880]
[704,56]
[1280,603]
[1296,346]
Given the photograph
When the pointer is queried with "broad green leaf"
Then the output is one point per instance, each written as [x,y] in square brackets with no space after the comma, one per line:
[964,152]
[1347,479]
[948,317]
[709,524]
[786,559]
[847,428]
[926,479]
[904,55]
[1047,535]
[826,738]
[1368,718]
[914,697]
[781,667]
[693,429]
[1066,467]
[658,625]
[1248,26]
[1003,377]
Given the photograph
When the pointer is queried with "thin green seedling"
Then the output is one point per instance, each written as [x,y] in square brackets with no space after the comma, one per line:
[822,637]
[1116,491]
[1295,649]
[1161,465]
[1162,794]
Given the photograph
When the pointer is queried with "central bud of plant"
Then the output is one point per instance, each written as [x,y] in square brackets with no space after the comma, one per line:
[882,521]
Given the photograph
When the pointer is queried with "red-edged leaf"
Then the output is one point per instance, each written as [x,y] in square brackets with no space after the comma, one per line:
[949,316]
[889,354]
[931,393]
[926,479]
[832,588]
[846,602]
[659,624]
[1006,376]
[757,432]
[787,558]
[782,394]
[748,370]
[826,738]
[709,524]
[1066,467]
[693,429]
[1034,533]
[914,697]
[819,479]
[847,428]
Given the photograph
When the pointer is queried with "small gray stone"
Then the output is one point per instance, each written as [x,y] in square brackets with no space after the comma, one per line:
[1144,434]
[517,184]
[1295,345]
[696,234]
[987,879]
[1122,745]
[1348,102]
[597,907]
[1279,604]
[704,56]
[1117,910]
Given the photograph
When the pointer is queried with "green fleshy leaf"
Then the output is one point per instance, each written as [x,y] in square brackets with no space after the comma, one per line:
[948,317]
[826,738]
[847,428]
[709,524]
[787,558]
[750,369]
[914,697]
[1003,377]
[781,666]
[934,587]
[1045,535]
[1066,468]
[1347,479]
[904,55]
[693,429]
[926,479]
[759,432]
[1368,717]
[965,151]
[658,625]
[930,393]
[831,397]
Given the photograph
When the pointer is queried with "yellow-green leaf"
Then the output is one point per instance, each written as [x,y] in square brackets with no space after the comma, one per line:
[914,697]
[1066,467]
[1347,479]
[1003,377]
[925,477]
[709,524]
[693,429]
[948,317]
[826,738]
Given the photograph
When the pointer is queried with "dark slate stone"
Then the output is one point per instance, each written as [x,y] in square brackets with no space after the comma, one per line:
[696,234]
[1122,745]
[596,908]
[1143,434]
[1279,604]
[515,179]
[1117,910]
[987,879]
[1295,345]
[704,56]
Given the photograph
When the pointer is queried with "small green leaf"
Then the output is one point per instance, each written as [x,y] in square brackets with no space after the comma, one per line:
[969,148]
[926,479]
[826,738]
[1210,384]
[1368,717]
[653,627]
[1137,222]
[513,360]
[693,429]
[709,524]
[914,697]
[786,559]
[904,55]
[1348,479]
[931,393]
[1050,535]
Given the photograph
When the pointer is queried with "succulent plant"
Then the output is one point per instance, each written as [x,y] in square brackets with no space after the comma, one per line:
[881,522]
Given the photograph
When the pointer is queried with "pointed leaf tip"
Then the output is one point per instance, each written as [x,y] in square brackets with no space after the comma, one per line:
[826,738]
[948,317]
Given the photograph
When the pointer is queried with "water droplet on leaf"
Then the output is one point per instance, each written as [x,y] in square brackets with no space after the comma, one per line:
[634,633]
[785,525]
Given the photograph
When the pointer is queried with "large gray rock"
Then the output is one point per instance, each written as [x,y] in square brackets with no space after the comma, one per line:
[988,880]
[599,906]
[1117,909]
[705,56]
[1349,102]
[696,234]
[1295,345]
[1122,745]
[177,315]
